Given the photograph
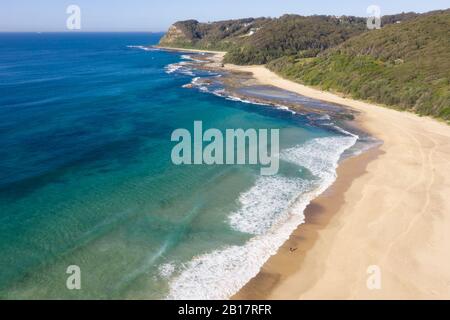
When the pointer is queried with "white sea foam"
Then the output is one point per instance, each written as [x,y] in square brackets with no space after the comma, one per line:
[234,98]
[171,68]
[142,48]
[189,57]
[321,155]
[179,67]
[266,203]
[195,81]
[285,108]
[166,270]
[222,93]
[183,68]
[271,210]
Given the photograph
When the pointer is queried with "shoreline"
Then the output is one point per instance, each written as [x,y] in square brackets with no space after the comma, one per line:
[386,208]
[318,215]
[217,53]
[392,216]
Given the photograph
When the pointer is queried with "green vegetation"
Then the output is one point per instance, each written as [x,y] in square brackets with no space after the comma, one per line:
[220,35]
[258,41]
[292,34]
[406,65]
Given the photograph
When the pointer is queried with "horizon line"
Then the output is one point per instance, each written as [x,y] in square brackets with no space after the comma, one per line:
[88,31]
[220,20]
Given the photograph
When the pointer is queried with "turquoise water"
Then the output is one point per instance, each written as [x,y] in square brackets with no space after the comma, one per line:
[86,177]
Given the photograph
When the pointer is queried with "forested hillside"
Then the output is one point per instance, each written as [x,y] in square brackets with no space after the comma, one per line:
[293,34]
[258,41]
[406,65]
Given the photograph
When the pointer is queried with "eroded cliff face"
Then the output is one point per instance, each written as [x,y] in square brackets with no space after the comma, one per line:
[211,35]
[174,36]
[182,33]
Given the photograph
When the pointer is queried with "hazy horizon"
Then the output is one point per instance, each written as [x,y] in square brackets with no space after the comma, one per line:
[143,16]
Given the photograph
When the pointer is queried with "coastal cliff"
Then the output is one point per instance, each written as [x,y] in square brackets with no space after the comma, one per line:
[175,35]
[212,35]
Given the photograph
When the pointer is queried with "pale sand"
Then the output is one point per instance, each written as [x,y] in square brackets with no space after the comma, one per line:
[317,217]
[396,215]
[389,207]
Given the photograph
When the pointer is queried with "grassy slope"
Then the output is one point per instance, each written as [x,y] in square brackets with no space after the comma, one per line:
[406,65]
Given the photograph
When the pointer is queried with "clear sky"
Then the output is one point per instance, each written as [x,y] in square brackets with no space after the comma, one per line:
[157,15]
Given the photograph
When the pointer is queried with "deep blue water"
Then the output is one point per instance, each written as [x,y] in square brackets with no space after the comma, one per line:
[86,177]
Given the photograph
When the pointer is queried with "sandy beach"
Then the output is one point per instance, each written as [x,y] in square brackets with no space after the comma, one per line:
[394,214]
[389,208]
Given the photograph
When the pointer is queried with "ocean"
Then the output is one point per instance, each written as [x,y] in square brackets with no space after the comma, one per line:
[86,176]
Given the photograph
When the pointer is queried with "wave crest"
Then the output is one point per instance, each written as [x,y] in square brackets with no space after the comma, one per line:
[271,210]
